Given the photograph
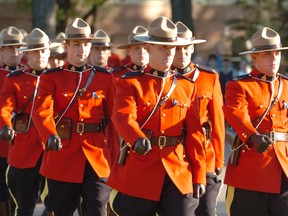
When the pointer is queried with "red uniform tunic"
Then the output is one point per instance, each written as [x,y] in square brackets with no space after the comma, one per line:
[247,99]
[19,88]
[114,60]
[4,145]
[143,176]
[55,92]
[210,107]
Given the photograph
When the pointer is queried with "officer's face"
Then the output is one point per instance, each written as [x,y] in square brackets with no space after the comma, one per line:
[11,56]
[161,56]
[267,63]
[38,59]
[78,52]
[183,56]
[99,56]
[138,54]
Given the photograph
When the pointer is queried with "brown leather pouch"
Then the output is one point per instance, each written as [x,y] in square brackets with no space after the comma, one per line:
[236,151]
[64,128]
[20,122]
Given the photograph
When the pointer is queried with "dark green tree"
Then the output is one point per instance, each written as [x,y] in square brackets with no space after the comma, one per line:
[256,13]
[182,11]
[52,16]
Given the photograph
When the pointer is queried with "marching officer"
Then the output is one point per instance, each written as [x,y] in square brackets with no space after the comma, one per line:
[100,51]
[256,107]
[139,56]
[164,171]
[57,54]
[72,106]
[17,101]
[211,115]
[11,40]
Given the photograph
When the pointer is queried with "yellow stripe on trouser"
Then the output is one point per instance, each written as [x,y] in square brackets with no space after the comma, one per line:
[113,194]
[13,198]
[44,193]
[229,198]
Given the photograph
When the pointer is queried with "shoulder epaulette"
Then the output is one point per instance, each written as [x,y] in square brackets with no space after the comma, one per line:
[184,77]
[205,68]
[15,73]
[118,68]
[131,74]
[283,76]
[53,69]
[245,76]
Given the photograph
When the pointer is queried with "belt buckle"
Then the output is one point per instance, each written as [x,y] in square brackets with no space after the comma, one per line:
[80,128]
[162,141]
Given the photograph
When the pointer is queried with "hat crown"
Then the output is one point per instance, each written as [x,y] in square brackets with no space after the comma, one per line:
[183,31]
[162,27]
[78,29]
[60,36]
[101,36]
[37,37]
[11,35]
[136,31]
[264,37]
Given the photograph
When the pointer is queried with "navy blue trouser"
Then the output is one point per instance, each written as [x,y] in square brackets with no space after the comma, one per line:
[172,202]
[4,193]
[241,202]
[24,185]
[207,204]
[63,197]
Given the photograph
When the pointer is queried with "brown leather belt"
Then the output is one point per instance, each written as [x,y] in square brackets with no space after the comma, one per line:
[278,136]
[163,141]
[87,128]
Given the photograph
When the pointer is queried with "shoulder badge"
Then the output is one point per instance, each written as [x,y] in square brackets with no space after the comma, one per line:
[245,76]
[205,68]
[15,73]
[184,77]
[53,69]
[132,74]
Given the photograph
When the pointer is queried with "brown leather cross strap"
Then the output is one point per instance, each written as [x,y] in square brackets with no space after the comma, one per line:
[259,119]
[78,92]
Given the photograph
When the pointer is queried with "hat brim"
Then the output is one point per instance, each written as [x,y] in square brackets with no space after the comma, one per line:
[125,46]
[51,45]
[178,42]
[197,41]
[266,50]
[79,38]
[97,45]
[13,44]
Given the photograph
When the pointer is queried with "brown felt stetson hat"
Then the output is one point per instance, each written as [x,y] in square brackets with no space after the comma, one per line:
[162,31]
[184,32]
[38,40]
[101,39]
[12,36]
[78,30]
[60,37]
[131,41]
[264,40]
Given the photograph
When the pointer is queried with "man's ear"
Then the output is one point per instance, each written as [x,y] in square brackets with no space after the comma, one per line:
[253,56]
